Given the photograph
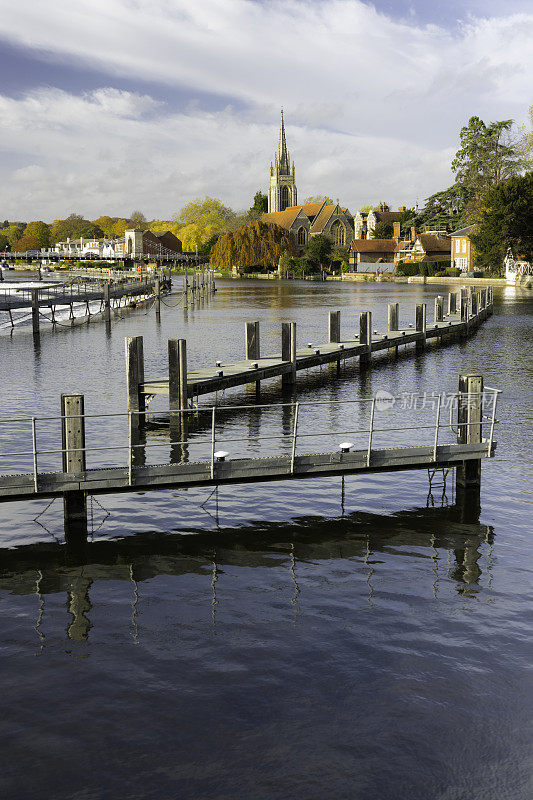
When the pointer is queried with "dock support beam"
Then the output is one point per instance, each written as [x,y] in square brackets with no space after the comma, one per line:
[452,303]
[469,424]
[73,444]
[288,351]
[420,327]
[365,337]
[134,378]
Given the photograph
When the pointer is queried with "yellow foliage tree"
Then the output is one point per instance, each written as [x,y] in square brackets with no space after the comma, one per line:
[256,245]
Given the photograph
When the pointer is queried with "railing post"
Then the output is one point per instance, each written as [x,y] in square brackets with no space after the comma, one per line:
[213,410]
[469,430]
[420,326]
[365,337]
[34,448]
[437,424]
[73,447]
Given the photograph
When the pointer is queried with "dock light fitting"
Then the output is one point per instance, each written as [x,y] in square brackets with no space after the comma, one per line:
[410,324]
[403,333]
[218,363]
[385,336]
[341,347]
[375,333]
[255,365]
[357,336]
[309,344]
[317,351]
[220,373]
[220,455]
[344,447]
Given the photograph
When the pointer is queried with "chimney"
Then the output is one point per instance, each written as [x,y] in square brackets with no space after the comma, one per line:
[396,229]
[413,234]
[401,209]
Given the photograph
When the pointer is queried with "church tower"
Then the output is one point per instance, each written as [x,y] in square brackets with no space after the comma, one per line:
[282,192]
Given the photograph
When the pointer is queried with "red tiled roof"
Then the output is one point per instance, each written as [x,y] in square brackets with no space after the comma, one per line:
[374,245]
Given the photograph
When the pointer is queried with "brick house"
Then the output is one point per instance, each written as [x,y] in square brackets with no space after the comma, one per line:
[463,253]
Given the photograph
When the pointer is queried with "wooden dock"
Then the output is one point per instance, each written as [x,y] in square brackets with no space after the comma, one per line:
[466,311]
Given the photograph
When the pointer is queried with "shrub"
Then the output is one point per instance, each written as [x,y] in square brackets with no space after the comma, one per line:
[407,269]
[453,272]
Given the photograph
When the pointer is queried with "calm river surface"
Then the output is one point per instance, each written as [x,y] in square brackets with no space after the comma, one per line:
[282,640]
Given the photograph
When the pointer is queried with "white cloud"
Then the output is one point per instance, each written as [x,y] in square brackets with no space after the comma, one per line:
[374,105]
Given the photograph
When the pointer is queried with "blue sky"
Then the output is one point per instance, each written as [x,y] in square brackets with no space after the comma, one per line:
[110,105]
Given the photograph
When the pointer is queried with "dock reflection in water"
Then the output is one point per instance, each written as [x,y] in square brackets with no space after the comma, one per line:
[447,551]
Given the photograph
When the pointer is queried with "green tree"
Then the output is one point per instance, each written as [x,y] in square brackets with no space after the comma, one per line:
[525,143]
[318,198]
[257,245]
[506,221]
[316,253]
[73,227]
[365,209]
[383,230]
[339,258]
[40,231]
[259,207]
[200,220]
[12,233]
[107,225]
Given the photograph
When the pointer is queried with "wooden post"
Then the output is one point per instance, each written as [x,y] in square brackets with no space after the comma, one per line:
[469,431]
[35,311]
[73,444]
[334,327]
[252,341]
[464,304]
[473,304]
[439,308]
[177,389]
[107,303]
[452,303]
[365,337]
[157,292]
[420,326]
[288,351]
[393,322]
[134,378]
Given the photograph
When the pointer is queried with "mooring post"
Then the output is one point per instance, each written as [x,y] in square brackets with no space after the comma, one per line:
[464,305]
[135,378]
[334,327]
[107,303]
[157,292]
[365,337]
[420,326]
[483,302]
[393,322]
[439,308]
[177,386]
[452,303]
[252,340]
[288,351]
[73,447]
[35,311]
[469,431]
[474,304]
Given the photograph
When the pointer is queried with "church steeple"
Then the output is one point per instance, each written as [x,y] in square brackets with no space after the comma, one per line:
[282,186]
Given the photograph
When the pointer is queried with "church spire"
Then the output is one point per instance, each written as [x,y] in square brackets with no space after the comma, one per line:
[282,183]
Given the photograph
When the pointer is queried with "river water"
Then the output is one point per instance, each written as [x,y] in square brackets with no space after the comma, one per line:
[287,640]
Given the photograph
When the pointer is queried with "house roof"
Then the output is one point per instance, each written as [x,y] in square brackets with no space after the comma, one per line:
[388,216]
[435,244]
[283,218]
[374,245]
[322,218]
[464,231]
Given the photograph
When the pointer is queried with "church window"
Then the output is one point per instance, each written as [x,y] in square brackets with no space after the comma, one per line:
[302,236]
[284,198]
[338,233]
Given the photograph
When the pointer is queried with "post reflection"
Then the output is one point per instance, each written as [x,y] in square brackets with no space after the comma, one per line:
[444,551]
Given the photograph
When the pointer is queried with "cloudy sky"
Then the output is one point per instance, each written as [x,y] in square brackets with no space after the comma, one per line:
[112,105]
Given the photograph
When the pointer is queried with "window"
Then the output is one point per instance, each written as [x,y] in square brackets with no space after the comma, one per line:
[283,198]
[302,236]
[457,246]
[464,245]
[338,233]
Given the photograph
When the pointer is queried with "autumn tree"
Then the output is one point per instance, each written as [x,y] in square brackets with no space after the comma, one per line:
[107,225]
[12,233]
[138,220]
[40,231]
[318,198]
[27,242]
[252,246]
[383,230]
[73,227]
[200,220]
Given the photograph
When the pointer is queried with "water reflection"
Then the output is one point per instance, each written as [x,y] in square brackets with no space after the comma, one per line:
[442,547]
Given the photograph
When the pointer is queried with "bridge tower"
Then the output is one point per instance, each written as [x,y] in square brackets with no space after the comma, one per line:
[133,243]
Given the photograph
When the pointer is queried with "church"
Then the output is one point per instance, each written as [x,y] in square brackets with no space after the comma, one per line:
[302,221]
